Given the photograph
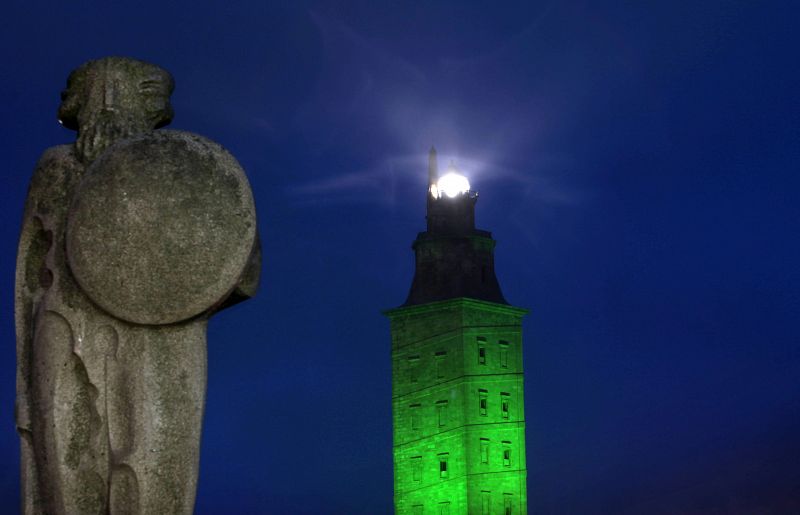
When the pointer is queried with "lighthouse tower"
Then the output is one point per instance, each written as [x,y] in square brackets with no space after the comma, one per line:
[457,397]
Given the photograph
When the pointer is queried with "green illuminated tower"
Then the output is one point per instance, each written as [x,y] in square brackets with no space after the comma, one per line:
[457,398]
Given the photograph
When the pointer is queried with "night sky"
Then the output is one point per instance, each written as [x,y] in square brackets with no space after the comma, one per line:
[638,164]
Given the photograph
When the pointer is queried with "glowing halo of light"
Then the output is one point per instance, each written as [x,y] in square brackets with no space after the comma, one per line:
[452,184]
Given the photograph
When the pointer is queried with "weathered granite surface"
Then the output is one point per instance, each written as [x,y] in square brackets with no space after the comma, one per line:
[131,239]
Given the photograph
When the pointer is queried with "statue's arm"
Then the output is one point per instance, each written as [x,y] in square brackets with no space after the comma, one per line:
[30,280]
[32,275]
[248,283]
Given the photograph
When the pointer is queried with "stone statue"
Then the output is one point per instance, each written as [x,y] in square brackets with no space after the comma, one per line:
[131,239]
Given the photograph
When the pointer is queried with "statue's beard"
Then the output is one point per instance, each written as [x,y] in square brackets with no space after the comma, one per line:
[102,130]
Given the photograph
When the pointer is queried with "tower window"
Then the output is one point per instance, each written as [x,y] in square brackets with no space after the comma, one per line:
[484,450]
[503,353]
[416,509]
[505,401]
[441,412]
[508,504]
[415,417]
[440,363]
[444,508]
[443,472]
[486,502]
[416,468]
[481,350]
[413,368]
[483,402]
[506,454]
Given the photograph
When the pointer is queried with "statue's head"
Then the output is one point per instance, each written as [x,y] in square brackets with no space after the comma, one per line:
[112,98]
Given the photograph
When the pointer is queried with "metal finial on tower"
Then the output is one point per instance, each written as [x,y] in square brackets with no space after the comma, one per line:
[433,167]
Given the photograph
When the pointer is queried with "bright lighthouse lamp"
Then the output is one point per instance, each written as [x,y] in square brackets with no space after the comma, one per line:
[451,184]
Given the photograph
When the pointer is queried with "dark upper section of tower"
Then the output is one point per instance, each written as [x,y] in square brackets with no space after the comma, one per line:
[453,258]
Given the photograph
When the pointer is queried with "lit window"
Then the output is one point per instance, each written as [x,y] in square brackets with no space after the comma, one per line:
[483,402]
[440,363]
[413,368]
[503,353]
[443,472]
[416,468]
[484,450]
[441,412]
[505,401]
[481,350]
[415,418]
[486,502]
[506,454]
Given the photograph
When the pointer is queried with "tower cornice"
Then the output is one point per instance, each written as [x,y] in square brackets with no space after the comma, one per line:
[463,302]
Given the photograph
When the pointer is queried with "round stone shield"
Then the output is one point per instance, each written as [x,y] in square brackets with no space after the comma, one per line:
[161,227]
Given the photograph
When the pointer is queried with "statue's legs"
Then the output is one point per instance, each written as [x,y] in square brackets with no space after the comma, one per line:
[157,385]
[66,434]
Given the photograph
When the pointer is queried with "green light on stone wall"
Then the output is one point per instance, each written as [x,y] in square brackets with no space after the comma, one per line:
[459,425]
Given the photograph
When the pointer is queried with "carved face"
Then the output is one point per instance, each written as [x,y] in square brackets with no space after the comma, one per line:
[114,98]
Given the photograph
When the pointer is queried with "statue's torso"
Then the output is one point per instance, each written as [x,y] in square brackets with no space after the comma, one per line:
[87,381]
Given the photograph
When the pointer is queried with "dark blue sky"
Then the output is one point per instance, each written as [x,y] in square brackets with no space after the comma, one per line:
[637,162]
